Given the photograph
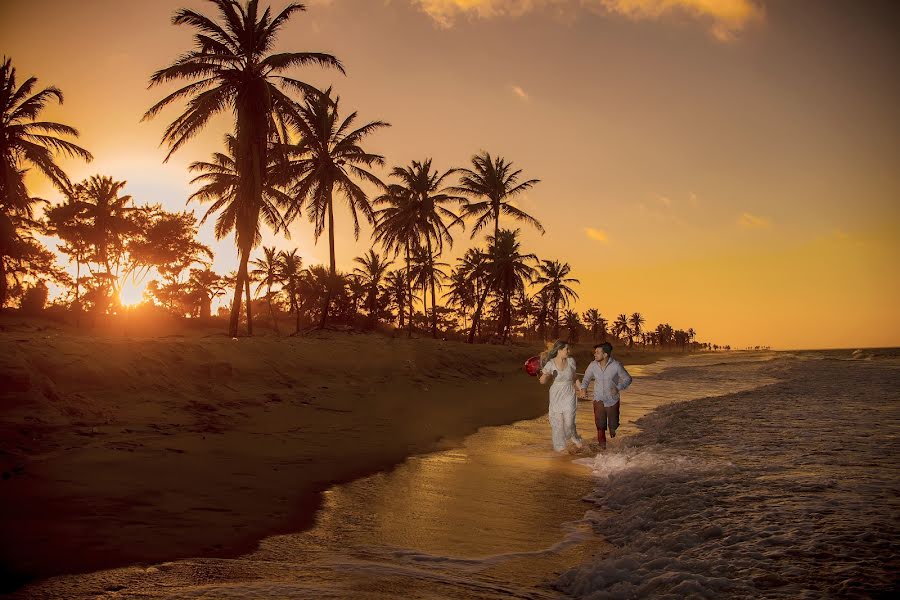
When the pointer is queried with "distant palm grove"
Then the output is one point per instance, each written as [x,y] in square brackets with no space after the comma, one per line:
[294,151]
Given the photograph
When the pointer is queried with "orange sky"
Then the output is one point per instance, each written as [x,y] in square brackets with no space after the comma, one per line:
[726,165]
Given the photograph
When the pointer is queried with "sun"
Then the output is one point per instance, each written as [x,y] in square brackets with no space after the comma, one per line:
[131,293]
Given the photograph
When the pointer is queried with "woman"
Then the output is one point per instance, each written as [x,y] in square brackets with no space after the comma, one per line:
[561,368]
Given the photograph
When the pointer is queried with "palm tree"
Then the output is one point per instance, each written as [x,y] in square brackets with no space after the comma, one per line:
[25,141]
[553,276]
[221,181]
[329,159]
[622,328]
[267,273]
[230,70]
[636,320]
[510,272]
[398,293]
[205,285]
[573,323]
[596,323]
[290,273]
[373,271]
[461,292]
[417,214]
[108,217]
[496,184]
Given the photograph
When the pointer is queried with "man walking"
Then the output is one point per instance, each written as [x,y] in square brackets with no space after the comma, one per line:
[610,378]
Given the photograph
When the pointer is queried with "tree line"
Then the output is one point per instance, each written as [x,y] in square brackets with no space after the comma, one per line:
[293,153]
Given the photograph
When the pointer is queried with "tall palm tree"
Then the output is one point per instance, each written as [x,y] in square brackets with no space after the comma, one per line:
[329,159]
[27,142]
[373,271]
[397,229]
[230,69]
[555,282]
[510,271]
[495,184]
[221,185]
[267,273]
[621,328]
[636,320]
[418,215]
[290,273]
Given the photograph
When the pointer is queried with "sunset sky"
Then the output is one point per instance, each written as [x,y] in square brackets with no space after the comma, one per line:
[727,165]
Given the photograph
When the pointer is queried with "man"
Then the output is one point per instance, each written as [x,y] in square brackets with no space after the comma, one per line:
[610,378]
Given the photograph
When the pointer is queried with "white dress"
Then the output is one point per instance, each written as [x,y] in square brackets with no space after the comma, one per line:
[562,404]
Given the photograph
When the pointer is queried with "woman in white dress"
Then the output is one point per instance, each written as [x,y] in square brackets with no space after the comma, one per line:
[560,367]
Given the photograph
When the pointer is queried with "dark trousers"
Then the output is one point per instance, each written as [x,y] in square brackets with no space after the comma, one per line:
[606,414]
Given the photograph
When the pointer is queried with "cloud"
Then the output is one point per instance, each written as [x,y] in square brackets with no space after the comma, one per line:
[596,234]
[726,18]
[753,222]
[520,93]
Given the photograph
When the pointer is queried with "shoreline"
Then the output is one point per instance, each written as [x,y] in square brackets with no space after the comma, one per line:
[130,461]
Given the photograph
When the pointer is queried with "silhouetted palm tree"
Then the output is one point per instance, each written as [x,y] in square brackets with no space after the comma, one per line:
[622,329]
[221,181]
[493,181]
[597,324]
[373,272]
[230,70]
[290,273]
[27,142]
[572,322]
[509,272]
[397,231]
[636,320]
[417,214]
[108,218]
[267,273]
[205,285]
[329,159]
[397,292]
[554,280]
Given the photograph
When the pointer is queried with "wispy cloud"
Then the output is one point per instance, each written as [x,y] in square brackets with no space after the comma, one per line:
[520,93]
[753,222]
[596,234]
[726,18]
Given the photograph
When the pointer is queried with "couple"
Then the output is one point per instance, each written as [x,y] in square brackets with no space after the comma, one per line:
[609,377]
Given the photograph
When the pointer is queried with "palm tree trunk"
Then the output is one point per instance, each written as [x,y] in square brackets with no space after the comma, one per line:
[2,282]
[409,295]
[333,270]
[238,290]
[433,298]
[271,312]
[476,318]
[249,305]
[77,290]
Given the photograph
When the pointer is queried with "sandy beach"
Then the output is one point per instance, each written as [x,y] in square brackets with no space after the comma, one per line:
[128,450]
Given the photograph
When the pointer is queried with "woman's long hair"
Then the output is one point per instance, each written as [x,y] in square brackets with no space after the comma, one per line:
[553,351]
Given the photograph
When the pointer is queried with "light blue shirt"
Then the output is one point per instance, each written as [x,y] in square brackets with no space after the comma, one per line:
[608,382]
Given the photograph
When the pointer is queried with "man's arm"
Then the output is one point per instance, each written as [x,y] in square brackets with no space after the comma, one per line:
[624,378]
[588,375]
